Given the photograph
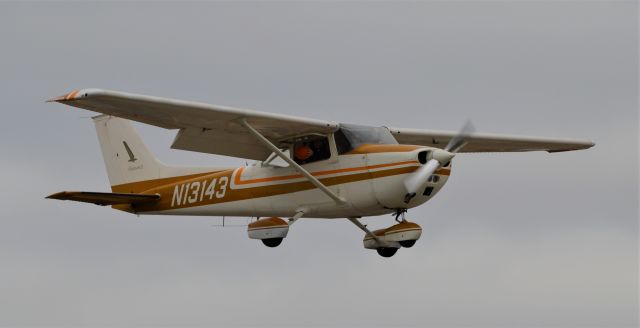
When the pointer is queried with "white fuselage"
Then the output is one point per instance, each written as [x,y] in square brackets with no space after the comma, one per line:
[372,183]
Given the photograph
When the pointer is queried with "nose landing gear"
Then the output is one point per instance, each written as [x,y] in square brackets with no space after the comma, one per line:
[387,241]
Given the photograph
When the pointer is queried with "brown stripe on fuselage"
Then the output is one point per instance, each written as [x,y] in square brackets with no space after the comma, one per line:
[239,181]
[374,148]
[141,186]
[166,186]
[446,172]
[166,192]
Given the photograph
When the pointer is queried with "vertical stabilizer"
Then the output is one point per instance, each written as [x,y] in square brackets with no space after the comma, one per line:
[126,157]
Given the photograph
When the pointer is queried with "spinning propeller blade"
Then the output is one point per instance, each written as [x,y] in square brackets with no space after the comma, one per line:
[437,158]
[460,140]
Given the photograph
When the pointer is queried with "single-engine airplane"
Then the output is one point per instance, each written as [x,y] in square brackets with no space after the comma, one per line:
[333,170]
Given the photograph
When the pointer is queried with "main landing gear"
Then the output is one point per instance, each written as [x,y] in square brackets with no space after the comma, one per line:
[387,241]
[271,231]
[272,242]
[386,251]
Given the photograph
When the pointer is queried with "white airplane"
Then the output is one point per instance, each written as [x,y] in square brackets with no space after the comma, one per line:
[333,170]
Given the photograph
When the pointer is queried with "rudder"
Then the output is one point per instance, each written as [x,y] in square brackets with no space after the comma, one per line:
[125,155]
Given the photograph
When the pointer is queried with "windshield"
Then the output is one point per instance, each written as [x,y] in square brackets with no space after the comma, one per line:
[360,134]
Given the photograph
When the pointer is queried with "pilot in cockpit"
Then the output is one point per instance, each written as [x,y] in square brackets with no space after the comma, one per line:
[311,151]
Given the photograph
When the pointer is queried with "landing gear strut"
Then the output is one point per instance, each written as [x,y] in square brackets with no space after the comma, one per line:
[400,212]
[404,243]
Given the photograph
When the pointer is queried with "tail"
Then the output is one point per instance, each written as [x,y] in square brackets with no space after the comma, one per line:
[125,155]
[128,160]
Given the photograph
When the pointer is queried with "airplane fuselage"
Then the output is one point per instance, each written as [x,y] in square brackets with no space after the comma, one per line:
[370,178]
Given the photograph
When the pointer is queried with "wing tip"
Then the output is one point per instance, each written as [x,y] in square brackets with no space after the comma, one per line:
[581,146]
[65,97]
[75,95]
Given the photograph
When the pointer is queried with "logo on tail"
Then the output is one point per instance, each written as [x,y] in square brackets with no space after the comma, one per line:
[131,156]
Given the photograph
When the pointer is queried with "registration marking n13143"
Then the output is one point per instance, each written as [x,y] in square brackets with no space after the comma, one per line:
[198,191]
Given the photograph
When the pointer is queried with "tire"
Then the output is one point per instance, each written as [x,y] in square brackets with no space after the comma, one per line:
[272,242]
[386,251]
[407,243]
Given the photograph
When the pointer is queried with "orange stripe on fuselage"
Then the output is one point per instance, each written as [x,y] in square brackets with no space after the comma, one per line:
[166,192]
[376,148]
[446,172]
[238,180]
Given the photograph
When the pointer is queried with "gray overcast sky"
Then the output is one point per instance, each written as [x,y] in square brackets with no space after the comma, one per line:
[530,239]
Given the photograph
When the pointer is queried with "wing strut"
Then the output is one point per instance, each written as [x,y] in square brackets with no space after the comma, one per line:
[291,162]
[366,230]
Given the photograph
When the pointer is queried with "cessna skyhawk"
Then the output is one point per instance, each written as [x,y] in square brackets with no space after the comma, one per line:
[333,170]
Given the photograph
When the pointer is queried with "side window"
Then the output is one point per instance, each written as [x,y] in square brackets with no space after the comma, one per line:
[342,143]
[309,151]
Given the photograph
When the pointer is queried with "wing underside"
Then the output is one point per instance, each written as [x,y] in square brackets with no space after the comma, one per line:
[202,127]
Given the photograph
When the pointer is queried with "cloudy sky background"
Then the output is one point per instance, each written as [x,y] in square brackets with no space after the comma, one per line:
[530,239]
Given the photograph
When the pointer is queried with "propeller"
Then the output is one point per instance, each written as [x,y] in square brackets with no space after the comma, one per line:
[437,158]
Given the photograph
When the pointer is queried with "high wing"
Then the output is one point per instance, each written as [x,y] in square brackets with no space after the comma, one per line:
[202,127]
[488,143]
[104,198]
[220,130]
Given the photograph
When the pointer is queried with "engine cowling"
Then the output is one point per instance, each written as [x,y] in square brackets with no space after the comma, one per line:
[269,228]
[402,234]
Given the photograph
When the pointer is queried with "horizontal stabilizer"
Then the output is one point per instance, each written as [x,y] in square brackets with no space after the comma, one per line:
[104,198]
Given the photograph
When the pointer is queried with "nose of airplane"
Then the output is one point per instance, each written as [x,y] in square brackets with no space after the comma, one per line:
[438,158]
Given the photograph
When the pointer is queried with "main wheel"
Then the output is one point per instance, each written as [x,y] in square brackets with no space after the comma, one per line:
[407,243]
[272,242]
[386,251]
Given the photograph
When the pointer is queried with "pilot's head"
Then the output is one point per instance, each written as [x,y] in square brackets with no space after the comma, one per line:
[303,152]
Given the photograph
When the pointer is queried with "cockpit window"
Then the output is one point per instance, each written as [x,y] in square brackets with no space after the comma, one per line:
[360,134]
[342,143]
[313,150]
